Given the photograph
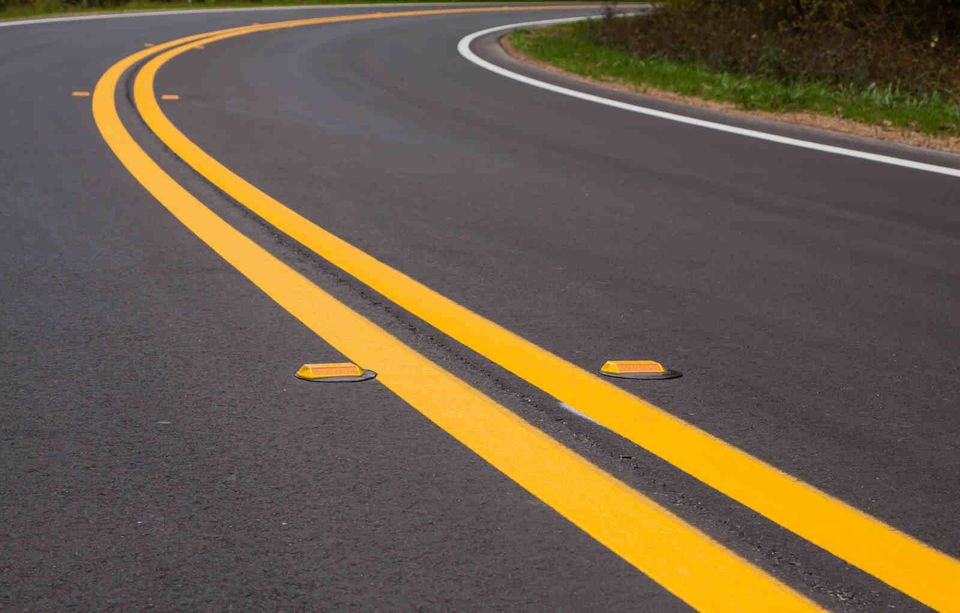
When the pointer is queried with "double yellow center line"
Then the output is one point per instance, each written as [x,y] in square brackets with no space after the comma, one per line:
[677,556]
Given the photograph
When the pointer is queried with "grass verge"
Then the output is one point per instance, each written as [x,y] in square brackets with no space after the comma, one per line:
[577,48]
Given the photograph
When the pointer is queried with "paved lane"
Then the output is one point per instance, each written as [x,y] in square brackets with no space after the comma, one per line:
[778,279]
[808,299]
[157,450]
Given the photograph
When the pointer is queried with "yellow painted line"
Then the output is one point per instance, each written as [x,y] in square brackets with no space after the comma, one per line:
[80,94]
[674,554]
[169,97]
[888,554]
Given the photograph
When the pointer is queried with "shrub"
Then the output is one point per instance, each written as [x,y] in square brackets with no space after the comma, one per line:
[912,46]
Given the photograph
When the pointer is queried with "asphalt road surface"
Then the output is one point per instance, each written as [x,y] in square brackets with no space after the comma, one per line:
[157,451]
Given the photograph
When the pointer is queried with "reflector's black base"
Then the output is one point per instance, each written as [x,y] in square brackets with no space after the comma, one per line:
[367,374]
[667,374]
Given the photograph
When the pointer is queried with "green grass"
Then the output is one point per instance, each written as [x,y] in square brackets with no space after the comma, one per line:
[574,48]
[43,8]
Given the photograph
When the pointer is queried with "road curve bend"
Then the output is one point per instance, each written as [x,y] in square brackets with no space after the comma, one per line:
[353,189]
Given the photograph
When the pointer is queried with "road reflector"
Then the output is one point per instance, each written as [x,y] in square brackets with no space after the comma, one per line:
[169,97]
[637,369]
[334,373]
[80,94]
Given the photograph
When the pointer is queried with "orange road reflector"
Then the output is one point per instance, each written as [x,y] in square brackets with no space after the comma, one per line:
[80,94]
[342,372]
[637,369]
[169,97]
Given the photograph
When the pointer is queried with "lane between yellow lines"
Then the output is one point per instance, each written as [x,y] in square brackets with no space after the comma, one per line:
[877,548]
[673,553]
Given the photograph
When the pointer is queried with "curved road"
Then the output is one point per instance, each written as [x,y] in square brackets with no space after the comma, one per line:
[157,451]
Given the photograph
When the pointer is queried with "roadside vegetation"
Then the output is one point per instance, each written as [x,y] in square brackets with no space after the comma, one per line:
[16,9]
[872,61]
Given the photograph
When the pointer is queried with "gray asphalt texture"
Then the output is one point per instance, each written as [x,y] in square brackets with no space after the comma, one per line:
[158,452]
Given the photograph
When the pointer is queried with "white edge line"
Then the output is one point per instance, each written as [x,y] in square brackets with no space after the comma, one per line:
[464,48]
